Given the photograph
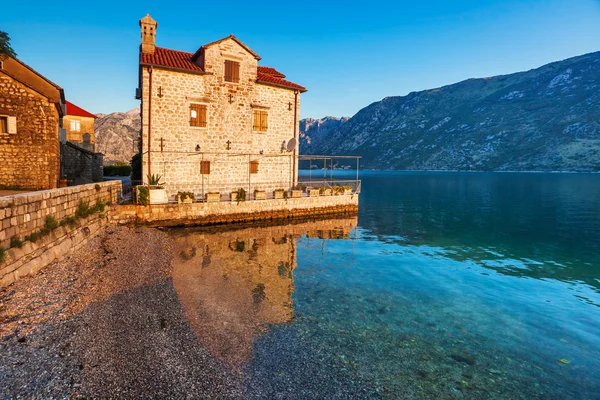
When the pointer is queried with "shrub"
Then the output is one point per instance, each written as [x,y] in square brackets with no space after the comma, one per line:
[186,195]
[2,254]
[50,223]
[97,187]
[143,195]
[136,167]
[33,237]
[16,241]
[117,169]
[241,194]
[300,186]
[98,207]
[83,209]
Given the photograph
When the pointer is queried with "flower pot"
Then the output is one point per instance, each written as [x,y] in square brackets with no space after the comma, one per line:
[278,194]
[187,200]
[158,196]
[233,196]
[296,193]
[313,192]
[214,197]
[260,195]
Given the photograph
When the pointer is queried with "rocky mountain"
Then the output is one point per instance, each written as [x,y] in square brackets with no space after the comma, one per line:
[313,132]
[116,134]
[543,119]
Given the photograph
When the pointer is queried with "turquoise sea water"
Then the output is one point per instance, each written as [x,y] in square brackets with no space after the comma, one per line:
[453,285]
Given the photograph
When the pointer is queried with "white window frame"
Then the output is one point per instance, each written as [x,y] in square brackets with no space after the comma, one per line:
[77,125]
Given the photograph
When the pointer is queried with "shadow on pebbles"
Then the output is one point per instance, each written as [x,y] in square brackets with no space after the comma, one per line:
[106,322]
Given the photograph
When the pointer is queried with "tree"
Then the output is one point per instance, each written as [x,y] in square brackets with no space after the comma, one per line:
[5,49]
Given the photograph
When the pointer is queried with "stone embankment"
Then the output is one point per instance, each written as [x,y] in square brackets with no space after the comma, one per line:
[40,227]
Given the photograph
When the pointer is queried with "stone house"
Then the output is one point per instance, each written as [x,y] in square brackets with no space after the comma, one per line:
[214,120]
[79,126]
[31,109]
[79,161]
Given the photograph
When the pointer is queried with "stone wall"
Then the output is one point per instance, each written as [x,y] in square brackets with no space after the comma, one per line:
[233,212]
[30,158]
[230,110]
[23,214]
[79,163]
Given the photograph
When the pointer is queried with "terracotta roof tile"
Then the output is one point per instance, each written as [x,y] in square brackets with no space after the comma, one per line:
[170,59]
[271,76]
[270,71]
[72,109]
[183,61]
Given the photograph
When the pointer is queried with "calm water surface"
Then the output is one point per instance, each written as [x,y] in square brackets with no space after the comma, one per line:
[449,285]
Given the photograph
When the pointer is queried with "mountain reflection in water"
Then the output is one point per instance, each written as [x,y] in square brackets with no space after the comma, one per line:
[234,283]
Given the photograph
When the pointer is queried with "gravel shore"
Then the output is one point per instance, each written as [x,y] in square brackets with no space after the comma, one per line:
[106,322]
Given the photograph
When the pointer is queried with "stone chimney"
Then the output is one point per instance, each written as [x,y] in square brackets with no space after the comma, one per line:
[148,26]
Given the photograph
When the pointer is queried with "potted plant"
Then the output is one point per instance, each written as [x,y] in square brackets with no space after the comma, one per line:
[213,197]
[278,193]
[185,197]
[298,189]
[312,192]
[238,195]
[260,195]
[324,191]
[158,193]
[347,189]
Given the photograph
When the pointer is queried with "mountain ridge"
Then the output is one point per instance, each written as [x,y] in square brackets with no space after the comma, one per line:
[544,119]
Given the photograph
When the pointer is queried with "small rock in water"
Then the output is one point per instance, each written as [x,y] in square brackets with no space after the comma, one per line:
[470,360]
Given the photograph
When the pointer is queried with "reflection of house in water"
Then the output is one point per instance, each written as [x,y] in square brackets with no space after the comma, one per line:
[234,283]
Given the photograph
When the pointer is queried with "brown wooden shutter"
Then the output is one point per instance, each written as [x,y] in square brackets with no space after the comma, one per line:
[232,71]
[254,167]
[236,71]
[263,121]
[256,122]
[202,115]
[205,167]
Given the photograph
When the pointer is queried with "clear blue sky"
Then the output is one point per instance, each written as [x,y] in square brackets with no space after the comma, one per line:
[347,54]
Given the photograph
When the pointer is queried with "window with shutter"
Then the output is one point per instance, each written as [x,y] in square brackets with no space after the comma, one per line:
[260,123]
[232,71]
[75,125]
[198,115]
[3,124]
[205,167]
[254,167]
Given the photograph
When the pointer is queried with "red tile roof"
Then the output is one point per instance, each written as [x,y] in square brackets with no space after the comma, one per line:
[171,59]
[181,60]
[270,71]
[72,109]
[271,76]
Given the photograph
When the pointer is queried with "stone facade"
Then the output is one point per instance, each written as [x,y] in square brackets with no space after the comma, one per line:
[84,136]
[81,165]
[29,157]
[174,149]
[79,126]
